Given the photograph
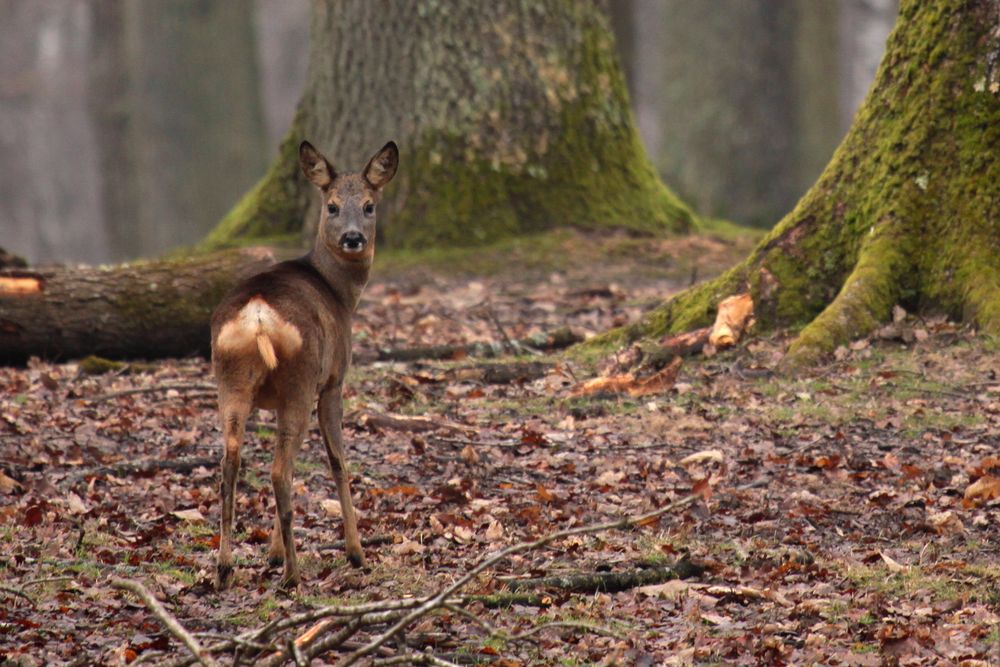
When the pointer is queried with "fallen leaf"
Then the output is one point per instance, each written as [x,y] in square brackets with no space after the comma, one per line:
[892,564]
[332,507]
[494,532]
[670,590]
[984,489]
[8,484]
[946,523]
[629,384]
[469,455]
[407,547]
[75,504]
[544,494]
[192,515]
[610,477]
[461,534]
[704,456]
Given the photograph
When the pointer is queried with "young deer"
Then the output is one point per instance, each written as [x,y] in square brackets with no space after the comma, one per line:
[284,336]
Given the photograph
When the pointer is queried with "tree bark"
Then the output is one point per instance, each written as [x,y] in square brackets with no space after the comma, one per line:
[907,211]
[146,309]
[511,117]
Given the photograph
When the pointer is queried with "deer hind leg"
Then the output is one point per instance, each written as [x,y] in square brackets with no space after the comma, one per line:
[292,421]
[331,411]
[234,410]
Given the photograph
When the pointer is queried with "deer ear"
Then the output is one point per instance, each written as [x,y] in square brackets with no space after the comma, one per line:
[382,167]
[314,166]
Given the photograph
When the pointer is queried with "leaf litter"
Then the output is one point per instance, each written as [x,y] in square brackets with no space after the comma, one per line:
[847,516]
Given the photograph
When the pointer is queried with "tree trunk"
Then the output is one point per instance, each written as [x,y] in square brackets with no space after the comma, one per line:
[907,211]
[50,193]
[511,117]
[146,309]
[186,132]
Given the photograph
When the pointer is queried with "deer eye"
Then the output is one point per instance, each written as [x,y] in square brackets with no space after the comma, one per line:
[369,209]
[332,209]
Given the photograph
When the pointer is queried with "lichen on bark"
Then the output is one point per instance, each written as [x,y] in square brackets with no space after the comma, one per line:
[907,211]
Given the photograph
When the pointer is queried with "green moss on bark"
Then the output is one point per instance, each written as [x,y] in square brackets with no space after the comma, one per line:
[273,211]
[554,145]
[907,211]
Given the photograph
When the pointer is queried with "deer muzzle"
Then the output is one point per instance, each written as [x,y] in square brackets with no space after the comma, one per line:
[353,242]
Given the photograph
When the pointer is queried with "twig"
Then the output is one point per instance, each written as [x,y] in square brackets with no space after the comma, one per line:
[555,340]
[151,389]
[507,342]
[469,616]
[150,465]
[437,600]
[167,619]
[461,442]
[300,660]
[369,541]
[415,659]
[46,580]
[504,600]
[323,612]
[19,593]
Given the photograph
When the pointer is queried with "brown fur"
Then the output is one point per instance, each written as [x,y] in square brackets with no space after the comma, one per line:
[283,337]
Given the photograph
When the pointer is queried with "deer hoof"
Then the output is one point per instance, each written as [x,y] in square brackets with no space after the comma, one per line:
[289,582]
[357,558]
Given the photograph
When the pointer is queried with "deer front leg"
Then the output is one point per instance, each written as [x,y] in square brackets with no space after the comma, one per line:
[331,410]
[233,420]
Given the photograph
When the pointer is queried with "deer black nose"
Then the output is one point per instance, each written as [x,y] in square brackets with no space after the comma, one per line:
[353,241]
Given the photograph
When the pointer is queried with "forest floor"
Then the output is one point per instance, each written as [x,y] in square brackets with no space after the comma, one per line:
[848,516]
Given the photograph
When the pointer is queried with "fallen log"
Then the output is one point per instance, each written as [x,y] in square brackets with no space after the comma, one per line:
[148,309]
[556,340]
[608,582]
[142,467]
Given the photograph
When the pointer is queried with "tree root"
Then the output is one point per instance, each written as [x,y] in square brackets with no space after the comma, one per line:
[864,303]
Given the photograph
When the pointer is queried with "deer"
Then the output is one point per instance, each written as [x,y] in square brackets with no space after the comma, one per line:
[282,339]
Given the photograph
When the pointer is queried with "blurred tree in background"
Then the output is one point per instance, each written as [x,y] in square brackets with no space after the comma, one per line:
[127,127]
[906,213]
[741,104]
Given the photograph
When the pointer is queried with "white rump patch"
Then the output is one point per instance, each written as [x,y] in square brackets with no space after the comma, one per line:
[259,329]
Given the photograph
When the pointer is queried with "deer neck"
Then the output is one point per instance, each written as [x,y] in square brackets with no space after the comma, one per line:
[346,278]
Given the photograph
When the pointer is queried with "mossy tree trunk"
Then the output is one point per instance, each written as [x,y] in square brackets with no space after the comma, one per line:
[511,117]
[907,211]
